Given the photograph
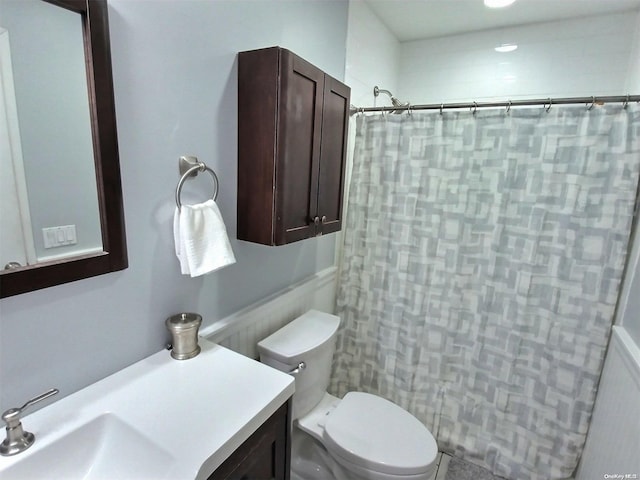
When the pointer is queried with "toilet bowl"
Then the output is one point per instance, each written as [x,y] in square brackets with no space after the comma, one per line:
[359,437]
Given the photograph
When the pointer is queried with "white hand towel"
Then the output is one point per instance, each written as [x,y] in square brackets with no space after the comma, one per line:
[202,244]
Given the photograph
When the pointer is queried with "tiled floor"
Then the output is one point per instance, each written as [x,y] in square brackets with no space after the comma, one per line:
[443,463]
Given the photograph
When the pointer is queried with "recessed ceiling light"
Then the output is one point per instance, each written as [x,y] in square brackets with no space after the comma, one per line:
[498,3]
[506,47]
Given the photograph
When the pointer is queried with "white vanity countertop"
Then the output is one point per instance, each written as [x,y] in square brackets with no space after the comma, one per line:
[198,410]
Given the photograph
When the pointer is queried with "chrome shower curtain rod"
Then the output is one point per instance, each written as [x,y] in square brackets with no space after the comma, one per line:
[546,102]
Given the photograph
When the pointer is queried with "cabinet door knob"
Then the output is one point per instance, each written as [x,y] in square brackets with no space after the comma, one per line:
[317,228]
[323,219]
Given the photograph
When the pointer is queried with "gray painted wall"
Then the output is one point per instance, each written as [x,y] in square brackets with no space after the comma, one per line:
[175,74]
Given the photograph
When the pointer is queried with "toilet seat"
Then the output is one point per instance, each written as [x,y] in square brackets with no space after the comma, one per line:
[374,434]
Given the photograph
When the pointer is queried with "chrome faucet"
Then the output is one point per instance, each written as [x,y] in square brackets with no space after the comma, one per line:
[17,439]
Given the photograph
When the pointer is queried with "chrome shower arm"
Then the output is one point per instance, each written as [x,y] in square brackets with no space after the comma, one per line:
[377,91]
[394,101]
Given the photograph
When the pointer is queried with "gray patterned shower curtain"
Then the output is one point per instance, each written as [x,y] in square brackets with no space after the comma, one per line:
[483,255]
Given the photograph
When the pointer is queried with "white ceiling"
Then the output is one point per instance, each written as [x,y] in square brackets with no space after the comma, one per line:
[415,19]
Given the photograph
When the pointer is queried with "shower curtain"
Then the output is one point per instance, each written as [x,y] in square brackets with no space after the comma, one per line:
[483,255]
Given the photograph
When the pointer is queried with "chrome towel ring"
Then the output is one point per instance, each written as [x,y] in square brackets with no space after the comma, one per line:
[189,167]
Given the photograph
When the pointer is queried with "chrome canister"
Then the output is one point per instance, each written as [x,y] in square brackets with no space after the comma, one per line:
[184,332]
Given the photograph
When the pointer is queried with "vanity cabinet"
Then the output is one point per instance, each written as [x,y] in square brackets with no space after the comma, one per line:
[292,138]
[265,455]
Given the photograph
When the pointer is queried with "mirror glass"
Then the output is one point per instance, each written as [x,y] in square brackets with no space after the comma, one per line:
[51,209]
[61,214]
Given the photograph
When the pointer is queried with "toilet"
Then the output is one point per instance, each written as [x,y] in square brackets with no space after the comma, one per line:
[359,437]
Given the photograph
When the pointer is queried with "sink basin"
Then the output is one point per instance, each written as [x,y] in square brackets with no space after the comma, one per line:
[156,419]
[104,448]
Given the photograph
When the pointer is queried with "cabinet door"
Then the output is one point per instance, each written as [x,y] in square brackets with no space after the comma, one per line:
[335,118]
[299,131]
[265,455]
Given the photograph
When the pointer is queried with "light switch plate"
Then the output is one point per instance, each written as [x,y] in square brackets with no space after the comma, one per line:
[59,236]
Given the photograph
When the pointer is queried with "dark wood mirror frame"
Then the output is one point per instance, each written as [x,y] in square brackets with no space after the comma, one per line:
[105,146]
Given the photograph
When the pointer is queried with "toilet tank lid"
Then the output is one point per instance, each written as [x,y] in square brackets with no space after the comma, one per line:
[308,331]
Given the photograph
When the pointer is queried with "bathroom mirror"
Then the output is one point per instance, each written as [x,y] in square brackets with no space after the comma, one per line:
[61,126]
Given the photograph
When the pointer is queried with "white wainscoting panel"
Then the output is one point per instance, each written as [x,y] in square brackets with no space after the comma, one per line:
[613,442]
[242,330]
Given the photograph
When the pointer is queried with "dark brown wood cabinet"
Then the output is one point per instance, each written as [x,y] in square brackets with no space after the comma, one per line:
[292,139]
[265,455]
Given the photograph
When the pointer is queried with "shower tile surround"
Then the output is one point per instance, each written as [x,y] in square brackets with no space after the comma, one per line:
[579,57]
[585,56]
[376,57]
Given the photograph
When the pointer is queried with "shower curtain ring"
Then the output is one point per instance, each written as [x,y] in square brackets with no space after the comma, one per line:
[508,107]
[409,110]
[475,108]
[441,108]
[593,102]
[626,102]
[548,107]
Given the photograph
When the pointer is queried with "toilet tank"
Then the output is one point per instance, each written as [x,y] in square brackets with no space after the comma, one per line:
[310,338]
